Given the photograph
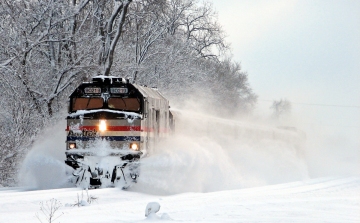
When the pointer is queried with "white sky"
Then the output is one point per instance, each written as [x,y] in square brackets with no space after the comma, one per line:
[307,51]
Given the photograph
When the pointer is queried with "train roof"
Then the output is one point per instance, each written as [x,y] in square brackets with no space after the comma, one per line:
[149,92]
[146,92]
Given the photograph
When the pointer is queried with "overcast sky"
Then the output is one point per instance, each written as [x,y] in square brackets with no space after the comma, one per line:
[307,51]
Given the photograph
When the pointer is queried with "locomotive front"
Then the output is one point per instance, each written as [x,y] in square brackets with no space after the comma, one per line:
[107,132]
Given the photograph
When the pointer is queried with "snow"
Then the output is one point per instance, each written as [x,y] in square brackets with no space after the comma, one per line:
[152,208]
[6,62]
[192,177]
[316,200]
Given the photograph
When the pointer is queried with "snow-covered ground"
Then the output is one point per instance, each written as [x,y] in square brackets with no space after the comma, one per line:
[204,173]
[317,200]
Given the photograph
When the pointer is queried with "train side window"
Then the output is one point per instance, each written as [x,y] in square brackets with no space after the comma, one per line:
[128,104]
[86,103]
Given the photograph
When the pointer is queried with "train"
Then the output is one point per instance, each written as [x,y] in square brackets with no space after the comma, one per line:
[111,125]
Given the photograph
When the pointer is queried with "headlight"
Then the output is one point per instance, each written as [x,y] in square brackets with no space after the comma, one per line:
[134,146]
[102,125]
[72,146]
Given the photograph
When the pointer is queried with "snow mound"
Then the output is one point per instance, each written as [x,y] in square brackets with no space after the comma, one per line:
[150,212]
[152,208]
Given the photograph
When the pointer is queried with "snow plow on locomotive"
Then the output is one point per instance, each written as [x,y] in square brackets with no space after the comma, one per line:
[111,125]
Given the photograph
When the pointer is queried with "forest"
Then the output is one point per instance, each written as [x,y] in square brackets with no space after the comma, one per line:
[48,47]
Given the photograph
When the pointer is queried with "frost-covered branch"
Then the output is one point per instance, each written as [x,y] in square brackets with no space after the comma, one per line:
[111,39]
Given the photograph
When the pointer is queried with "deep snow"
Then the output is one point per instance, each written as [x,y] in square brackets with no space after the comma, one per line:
[204,173]
[317,200]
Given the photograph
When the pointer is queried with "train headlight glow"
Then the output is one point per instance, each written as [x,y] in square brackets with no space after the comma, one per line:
[134,146]
[102,125]
[72,145]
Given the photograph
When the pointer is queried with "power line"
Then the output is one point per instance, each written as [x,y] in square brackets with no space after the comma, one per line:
[323,105]
[334,125]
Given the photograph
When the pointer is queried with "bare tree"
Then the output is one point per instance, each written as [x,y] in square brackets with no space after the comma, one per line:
[49,211]
[204,33]
[154,28]
[150,24]
[280,108]
[110,31]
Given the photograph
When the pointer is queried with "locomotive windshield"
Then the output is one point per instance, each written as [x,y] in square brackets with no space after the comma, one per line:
[87,103]
[117,103]
[106,93]
[128,104]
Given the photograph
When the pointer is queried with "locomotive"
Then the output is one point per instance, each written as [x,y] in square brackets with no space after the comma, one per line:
[111,125]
